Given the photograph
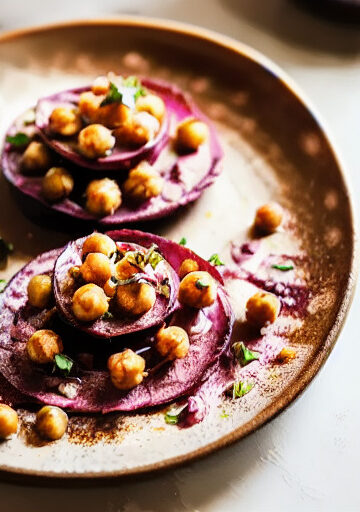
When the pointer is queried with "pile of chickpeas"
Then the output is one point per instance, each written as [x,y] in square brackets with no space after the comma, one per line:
[98,128]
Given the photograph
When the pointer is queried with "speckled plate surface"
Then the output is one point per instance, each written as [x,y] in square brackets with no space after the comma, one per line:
[274,149]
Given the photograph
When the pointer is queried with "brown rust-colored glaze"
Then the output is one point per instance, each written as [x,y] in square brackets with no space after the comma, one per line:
[286,156]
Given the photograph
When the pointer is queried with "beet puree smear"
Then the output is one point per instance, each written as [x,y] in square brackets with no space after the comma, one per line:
[201,376]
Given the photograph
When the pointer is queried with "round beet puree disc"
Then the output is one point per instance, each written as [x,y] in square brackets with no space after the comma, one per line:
[65,286]
[202,375]
[185,179]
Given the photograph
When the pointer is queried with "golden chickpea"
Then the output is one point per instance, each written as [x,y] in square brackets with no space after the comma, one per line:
[126,369]
[43,346]
[89,302]
[152,104]
[39,291]
[172,342]
[98,242]
[191,133]
[268,217]
[124,269]
[188,266]
[51,422]
[36,157]
[100,85]
[95,141]
[113,115]
[138,130]
[198,290]
[65,121]
[135,298]
[110,288]
[8,421]
[96,268]
[143,183]
[262,309]
[103,197]
[57,184]
[89,104]
[285,355]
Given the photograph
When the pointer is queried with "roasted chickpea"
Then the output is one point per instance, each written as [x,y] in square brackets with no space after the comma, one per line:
[135,298]
[172,342]
[262,309]
[95,141]
[96,268]
[152,104]
[65,121]
[191,133]
[103,197]
[113,115]
[268,217]
[124,269]
[126,369]
[43,346]
[138,130]
[89,104]
[51,422]
[285,355]
[198,290]
[8,421]
[110,288]
[89,302]
[39,291]
[98,242]
[188,266]
[36,157]
[57,184]
[143,183]
[100,85]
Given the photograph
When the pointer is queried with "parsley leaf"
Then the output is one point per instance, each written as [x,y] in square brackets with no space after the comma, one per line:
[283,268]
[63,363]
[3,284]
[113,96]
[127,93]
[243,354]
[200,285]
[241,388]
[18,140]
[215,260]
[183,241]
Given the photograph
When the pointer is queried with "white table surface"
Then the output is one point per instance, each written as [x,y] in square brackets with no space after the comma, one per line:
[306,459]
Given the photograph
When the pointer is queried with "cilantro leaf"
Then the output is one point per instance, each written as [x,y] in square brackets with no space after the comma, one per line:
[3,284]
[243,354]
[63,363]
[183,241]
[113,96]
[241,388]
[127,93]
[283,268]
[215,260]
[200,285]
[18,140]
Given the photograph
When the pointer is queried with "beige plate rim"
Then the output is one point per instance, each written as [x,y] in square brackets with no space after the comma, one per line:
[276,407]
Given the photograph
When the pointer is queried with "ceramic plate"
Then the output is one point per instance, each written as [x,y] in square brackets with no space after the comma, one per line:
[274,149]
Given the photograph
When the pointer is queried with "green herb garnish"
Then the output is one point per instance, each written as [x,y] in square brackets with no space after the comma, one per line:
[3,284]
[224,415]
[241,388]
[113,96]
[127,93]
[183,241]
[107,315]
[215,260]
[172,416]
[63,363]
[18,140]
[200,284]
[243,354]
[283,268]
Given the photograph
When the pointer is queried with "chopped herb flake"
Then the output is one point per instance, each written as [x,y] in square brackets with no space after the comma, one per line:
[243,354]
[113,96]
[18,140]
[224,415]
[283,268]
[63,363]
[241,388]
[3,284]
[183,241]
[173,415]
[107,315]
[200,284]
[127,93]
[215,260]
